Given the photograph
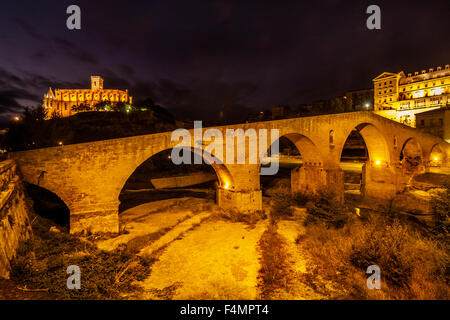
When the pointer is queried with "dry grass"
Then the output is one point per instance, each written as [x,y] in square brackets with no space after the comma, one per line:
[237,216]
[41,263]
[226,289]
[274,271]
[413,266]
[281,202]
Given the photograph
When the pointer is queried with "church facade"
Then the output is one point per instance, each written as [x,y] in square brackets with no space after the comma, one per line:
[61,101]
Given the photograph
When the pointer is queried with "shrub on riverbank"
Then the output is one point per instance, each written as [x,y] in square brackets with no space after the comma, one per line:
[41,264]
[413,265]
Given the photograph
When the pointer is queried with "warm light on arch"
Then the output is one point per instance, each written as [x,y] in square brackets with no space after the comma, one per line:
[376,144]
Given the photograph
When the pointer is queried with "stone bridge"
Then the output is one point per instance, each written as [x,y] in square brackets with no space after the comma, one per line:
[89,177]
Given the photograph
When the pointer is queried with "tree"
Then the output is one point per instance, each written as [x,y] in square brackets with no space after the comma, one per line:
[102,106]
[81,108]
[55,115]
[27,132]
[158,111]
[38,113]
[122,107]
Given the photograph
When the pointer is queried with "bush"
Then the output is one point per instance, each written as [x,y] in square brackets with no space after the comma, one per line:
[327,209]
[412,266]
[41,263]
[281,202]
[387,247]
[238,216]
[441,210]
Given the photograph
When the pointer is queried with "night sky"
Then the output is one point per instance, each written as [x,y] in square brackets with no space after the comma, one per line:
[193,57]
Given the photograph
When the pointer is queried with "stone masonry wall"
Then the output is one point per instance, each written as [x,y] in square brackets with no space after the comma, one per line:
[89,177]
[14,221]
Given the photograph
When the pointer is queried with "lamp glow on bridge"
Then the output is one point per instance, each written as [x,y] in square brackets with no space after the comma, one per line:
[227,185]
[377,162]
[436,159]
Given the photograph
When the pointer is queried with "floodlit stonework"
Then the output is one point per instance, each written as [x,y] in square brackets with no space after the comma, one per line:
[15,225]
[61,101]
[400,97]
[89,177]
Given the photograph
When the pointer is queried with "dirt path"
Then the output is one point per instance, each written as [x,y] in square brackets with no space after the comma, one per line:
[155,216]
[296,289]
[217,260]
[201,256]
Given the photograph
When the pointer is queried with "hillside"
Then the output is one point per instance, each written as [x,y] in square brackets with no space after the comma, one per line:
[32,132]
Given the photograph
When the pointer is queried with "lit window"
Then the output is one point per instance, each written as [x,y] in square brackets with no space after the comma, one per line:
[418,94]
[436,91]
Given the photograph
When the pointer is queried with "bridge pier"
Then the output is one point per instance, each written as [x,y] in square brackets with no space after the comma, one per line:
[95,218]
[243,201]
[311,180]
[243,192]
[383,181]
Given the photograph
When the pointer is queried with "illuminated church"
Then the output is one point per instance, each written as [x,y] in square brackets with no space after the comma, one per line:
[61,101]
[400,97]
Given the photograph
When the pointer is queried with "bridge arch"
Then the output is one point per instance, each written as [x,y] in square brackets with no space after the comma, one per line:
[378,155]
[437,156]
[48,204]
[308,176]
[411,154]
[375,141]
[224,177]
[306,147]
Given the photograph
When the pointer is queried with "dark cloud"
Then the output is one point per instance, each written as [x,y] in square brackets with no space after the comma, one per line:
[115,43]
[25,91]
[9,101]
[39,55]
[127,69]
[224,10]
[200,99]
[29,30]
[75,52]
[9,79]
[198,57]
